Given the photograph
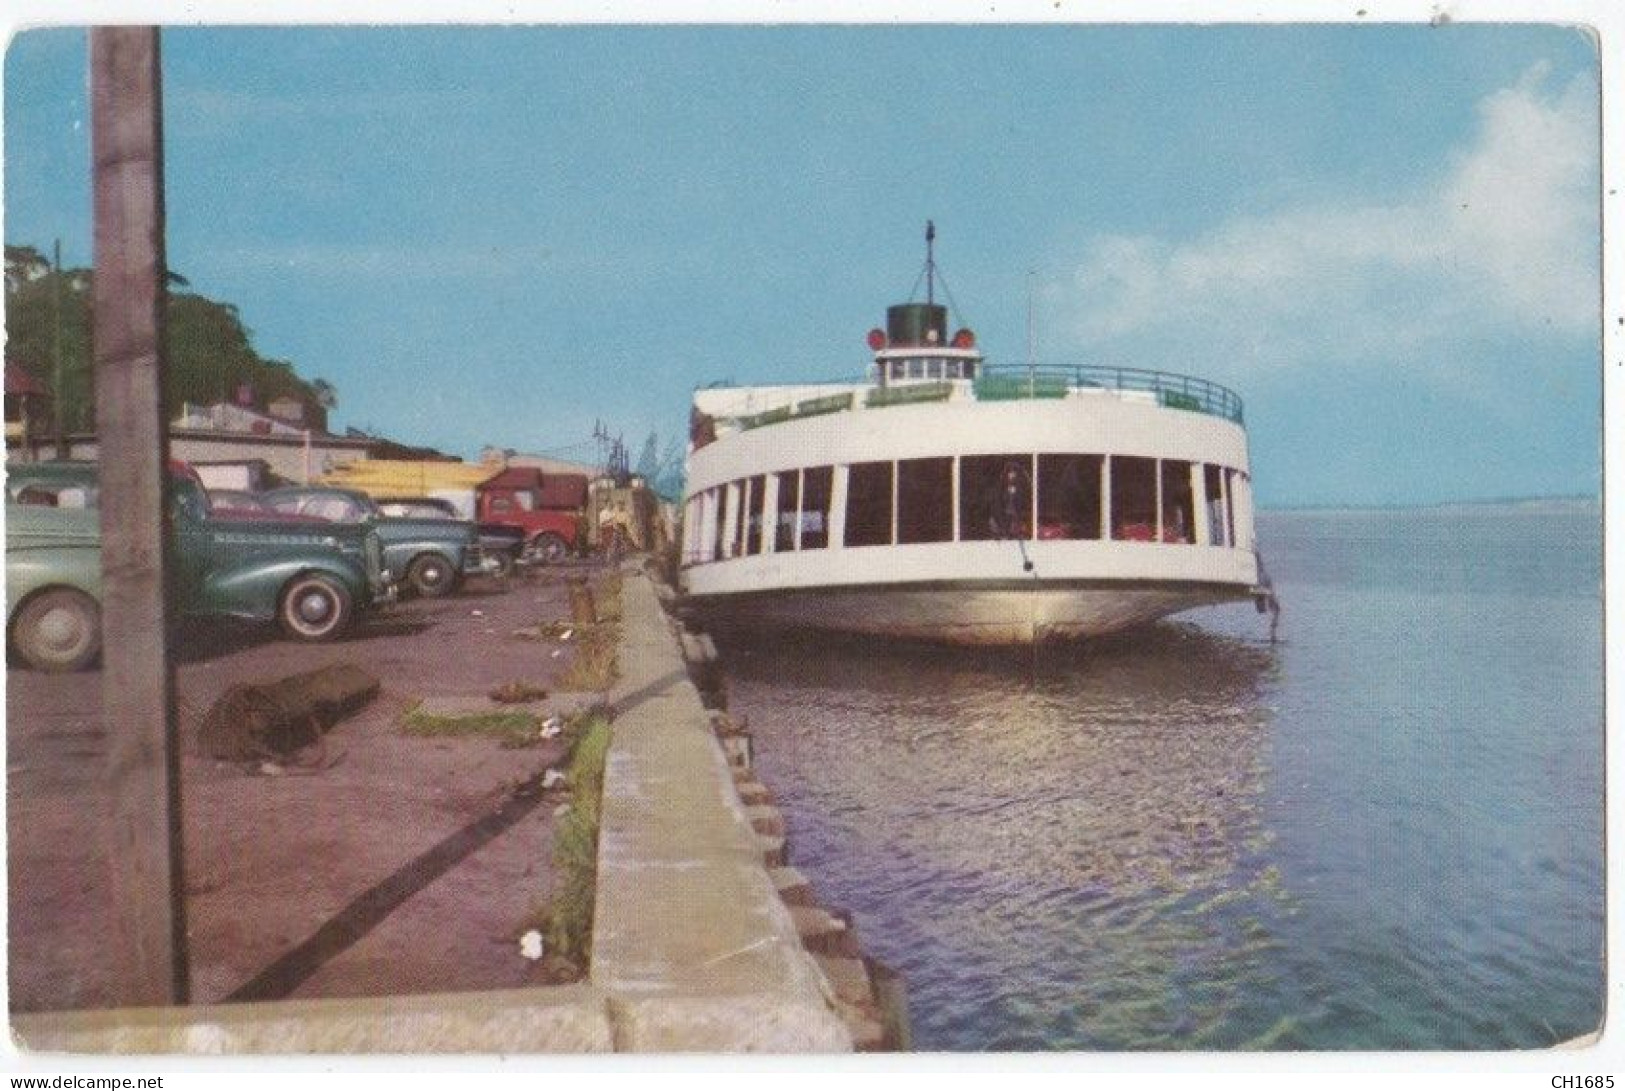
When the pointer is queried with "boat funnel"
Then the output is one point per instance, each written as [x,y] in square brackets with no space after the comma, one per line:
[917,324]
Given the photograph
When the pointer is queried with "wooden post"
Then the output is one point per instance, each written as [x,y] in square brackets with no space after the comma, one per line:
[58,384]
[143,771]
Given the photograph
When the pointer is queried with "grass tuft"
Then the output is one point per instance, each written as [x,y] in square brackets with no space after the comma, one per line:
[512,727]
[608,596]
[594,665]
[566,920]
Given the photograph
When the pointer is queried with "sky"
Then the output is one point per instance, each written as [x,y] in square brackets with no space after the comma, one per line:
[1385,238]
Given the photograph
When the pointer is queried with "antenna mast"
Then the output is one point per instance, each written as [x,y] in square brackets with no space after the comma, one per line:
[930,261]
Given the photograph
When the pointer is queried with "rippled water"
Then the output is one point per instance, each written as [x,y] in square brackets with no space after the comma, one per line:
[1384,833]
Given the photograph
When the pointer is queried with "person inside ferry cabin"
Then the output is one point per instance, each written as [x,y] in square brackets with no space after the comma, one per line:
[1010,502]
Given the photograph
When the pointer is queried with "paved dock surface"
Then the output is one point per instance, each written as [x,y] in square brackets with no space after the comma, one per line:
[693,949]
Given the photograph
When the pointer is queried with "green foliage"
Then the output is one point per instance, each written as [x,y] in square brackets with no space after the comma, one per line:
[567,919]
[31,307]
[209,350]
[512,726]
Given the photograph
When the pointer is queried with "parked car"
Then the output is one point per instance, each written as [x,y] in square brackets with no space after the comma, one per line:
[432,555]
[498,542]
[312,584]
[548,507]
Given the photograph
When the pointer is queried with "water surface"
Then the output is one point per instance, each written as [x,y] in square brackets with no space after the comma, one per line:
[1383,833]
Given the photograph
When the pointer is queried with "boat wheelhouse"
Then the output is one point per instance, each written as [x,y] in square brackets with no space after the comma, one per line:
[943,498]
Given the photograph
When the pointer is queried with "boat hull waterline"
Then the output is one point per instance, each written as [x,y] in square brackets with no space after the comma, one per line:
[966,613]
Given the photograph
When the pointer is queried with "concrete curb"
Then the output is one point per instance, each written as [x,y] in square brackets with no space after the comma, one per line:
[690,939]
[563,1019]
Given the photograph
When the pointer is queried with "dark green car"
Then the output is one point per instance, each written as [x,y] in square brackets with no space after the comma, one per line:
[431,555]
[310,577]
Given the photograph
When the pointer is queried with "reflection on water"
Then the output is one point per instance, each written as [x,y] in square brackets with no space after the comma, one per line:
[982,809]
[1384,833]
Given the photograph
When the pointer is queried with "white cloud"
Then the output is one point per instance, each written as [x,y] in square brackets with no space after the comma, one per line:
[1505,242]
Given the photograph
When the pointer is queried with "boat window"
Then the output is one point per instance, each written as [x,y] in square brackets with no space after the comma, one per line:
[995,497]
[784,526]
[692,528]
[817,482]
[719,546]
[899,368]
[869,504]
[753,520]
[1069,496]
[1178,510]
[741,523]
[1214,498]
[925,501]
[916,368]
[933,368]
[1230,506]
[1134,498]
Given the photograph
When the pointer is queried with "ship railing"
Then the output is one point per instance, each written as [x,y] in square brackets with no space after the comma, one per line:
[1010,382]
[1007,382]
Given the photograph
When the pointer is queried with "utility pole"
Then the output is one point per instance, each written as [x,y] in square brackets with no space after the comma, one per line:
[57,387]
[143,756]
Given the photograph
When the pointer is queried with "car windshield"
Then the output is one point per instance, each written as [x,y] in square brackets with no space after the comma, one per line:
[243,501]
[191,497]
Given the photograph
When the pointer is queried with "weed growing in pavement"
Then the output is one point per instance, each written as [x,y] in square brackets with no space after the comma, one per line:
[515,693]
[512,727]
[594,666]
[565,922]
[608,594]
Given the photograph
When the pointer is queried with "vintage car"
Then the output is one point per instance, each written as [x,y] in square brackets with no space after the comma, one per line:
[432,555]
[312,579]
[498,542]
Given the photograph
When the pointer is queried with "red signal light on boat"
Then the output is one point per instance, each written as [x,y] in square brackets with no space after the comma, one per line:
[877,339]
[964,339]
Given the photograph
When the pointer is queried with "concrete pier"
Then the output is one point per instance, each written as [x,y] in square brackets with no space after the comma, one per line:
[690,939]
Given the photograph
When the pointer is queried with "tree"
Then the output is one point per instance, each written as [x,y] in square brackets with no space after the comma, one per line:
[210,351]
[24,264]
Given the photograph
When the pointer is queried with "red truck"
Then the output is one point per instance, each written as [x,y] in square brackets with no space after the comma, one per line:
[548,507]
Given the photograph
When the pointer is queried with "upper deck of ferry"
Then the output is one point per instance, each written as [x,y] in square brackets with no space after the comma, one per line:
[922,375]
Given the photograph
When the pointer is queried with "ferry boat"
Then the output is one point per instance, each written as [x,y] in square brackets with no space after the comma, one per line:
[943,498]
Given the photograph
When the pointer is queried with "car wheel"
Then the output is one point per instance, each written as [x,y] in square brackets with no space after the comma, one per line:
[431,575]
[314,607]
[549,548]
[58,630]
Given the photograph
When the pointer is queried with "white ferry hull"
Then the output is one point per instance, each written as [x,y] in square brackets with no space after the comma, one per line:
[963,614]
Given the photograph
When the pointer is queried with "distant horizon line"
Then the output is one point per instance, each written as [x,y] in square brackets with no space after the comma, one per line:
[1397,505]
